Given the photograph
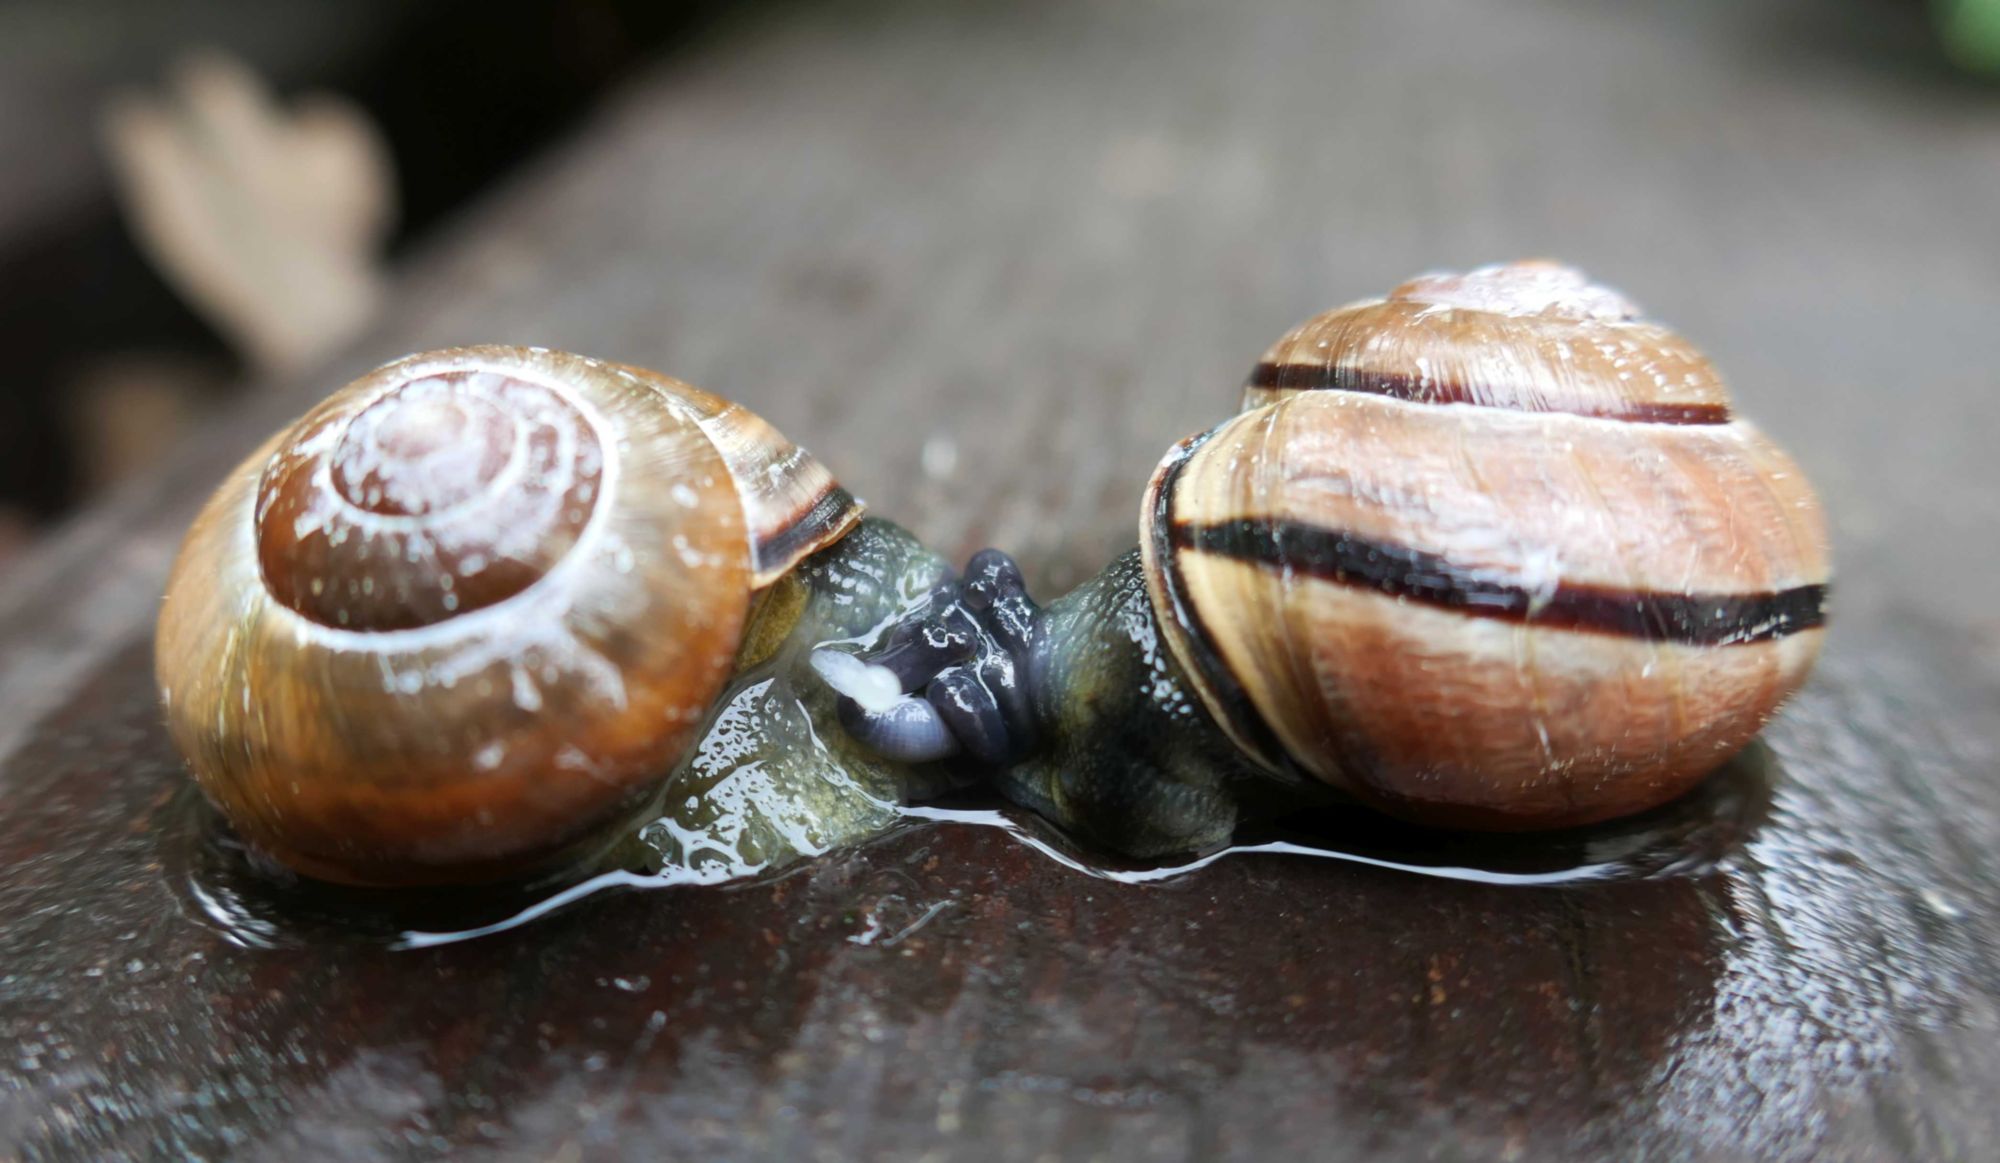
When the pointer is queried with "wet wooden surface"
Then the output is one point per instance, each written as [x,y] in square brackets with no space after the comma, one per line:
[989,261]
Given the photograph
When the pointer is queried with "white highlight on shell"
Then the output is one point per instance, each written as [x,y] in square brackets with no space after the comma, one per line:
[874,688]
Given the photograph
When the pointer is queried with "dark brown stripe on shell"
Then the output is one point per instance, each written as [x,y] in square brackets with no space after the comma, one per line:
[1401,572]
[804,527]
[1312,377]
[1250,728]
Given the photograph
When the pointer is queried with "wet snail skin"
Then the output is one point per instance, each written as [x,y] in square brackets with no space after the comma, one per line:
[1491,552]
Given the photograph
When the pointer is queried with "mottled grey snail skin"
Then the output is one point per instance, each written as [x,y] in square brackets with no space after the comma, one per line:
[474,615]
[1491,552]
[1144,783]
[1086,718]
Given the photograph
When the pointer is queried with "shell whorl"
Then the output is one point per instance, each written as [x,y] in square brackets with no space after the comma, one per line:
[469,607]
[792,506]
[1528,337]
[443,493]
[1488,552]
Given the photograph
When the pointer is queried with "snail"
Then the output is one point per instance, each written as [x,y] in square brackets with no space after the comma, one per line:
[474,609]
[1491,552]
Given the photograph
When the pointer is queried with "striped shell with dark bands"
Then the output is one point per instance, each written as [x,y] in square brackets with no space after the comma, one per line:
[1465,339]
[793,507]
[1489,586]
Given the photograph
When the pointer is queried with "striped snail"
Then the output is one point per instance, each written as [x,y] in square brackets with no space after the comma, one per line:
[473,608]
[1491,552]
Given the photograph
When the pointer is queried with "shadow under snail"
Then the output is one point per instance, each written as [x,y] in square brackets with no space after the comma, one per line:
[1488,553]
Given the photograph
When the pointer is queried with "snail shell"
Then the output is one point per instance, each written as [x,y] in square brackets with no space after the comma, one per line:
[470,607]
[1490,552]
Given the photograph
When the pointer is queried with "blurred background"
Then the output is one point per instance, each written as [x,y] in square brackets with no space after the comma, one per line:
[156,158]
[195,197]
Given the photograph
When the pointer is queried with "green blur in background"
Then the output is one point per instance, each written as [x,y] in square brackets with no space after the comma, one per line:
[1971,32]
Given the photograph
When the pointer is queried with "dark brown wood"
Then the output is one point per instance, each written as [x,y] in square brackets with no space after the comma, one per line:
[989,262]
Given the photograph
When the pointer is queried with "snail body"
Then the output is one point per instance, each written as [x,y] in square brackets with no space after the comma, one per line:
[477,605]
[1490,552]
[772,776]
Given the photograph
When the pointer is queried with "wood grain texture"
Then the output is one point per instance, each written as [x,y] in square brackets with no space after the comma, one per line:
[988,262]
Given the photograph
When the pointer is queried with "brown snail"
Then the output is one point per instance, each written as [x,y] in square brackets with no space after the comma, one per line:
[1490,552]
[477,604]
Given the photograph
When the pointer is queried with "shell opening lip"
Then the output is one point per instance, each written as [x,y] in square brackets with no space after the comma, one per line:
[834,508]
[1188,637]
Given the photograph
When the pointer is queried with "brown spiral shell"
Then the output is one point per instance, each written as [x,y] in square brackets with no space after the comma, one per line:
[1490,552]
[471,606]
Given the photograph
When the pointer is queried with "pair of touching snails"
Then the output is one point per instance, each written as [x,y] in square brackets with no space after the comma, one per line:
[1490,552]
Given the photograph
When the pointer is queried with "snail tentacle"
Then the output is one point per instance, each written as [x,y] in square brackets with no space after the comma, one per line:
[965,660]
[972,712]
[907,730]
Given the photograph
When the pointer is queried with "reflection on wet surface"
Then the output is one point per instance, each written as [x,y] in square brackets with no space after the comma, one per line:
[257,905]
[1801,967]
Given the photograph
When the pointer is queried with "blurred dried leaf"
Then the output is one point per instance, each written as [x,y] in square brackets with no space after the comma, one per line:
[269,220]
[127,410]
